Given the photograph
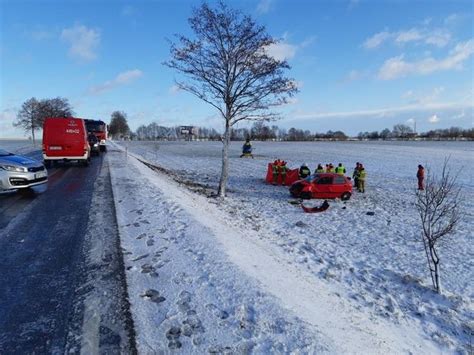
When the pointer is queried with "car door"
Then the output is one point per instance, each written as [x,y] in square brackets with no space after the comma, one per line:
[322,187]
[337,187]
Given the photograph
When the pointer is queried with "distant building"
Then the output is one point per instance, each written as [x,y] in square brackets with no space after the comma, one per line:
[189,132]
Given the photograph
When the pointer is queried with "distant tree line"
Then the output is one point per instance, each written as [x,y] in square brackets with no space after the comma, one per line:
[404,132]
[154,131]
[259,131]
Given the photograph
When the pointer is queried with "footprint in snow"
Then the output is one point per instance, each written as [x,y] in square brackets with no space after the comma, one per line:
[153,296]
[217,312]
[150,242]
[194,323]
[147,269]
[141,257]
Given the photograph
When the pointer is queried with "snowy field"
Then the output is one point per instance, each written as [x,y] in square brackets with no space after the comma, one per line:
[371,268]
[20,146]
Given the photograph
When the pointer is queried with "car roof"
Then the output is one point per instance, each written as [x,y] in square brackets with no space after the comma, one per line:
[328,174]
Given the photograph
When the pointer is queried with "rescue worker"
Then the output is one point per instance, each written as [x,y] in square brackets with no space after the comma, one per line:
[319,169]
[355,175]
[247,149]
[340,169]
[331,168]
[275,170]
[362,177]
[420,174]
[304,171]
[283,169]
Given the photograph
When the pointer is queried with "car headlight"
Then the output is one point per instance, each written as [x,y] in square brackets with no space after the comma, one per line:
[17,169]
[96,144]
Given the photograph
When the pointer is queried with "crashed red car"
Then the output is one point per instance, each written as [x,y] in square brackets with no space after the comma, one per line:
[324,185]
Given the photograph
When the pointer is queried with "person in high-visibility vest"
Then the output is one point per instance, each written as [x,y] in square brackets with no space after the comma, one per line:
[283,169]
[362,177]
[340,169]
[247,149]
[331,168]
[304,171]
[355,175]
[275,170]
[319,169]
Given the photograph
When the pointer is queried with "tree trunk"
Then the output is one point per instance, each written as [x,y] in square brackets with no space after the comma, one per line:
[437,277]
[33,134]
[225,161]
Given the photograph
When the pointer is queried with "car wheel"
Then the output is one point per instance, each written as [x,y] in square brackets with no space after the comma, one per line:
[86,162]
[306,195]
[345,196]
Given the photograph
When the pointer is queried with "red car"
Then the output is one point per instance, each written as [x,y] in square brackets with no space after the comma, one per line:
[324,185]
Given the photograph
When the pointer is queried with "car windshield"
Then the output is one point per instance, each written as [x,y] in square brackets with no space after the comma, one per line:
[312,177]
[95,126]
[4,153]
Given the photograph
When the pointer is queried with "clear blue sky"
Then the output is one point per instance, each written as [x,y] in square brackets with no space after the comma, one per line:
[361,65]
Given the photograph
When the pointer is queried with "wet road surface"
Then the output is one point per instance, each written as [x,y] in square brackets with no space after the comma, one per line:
[60,252]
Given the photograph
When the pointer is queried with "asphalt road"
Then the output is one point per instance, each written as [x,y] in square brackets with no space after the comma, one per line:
[60,257]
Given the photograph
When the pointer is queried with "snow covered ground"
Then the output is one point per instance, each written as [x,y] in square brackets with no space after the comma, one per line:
[255,272]
[22,147]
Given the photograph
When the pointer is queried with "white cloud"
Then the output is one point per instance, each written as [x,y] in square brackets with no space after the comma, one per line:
[438,38]
[454,19]
[83,41]
[435,37]
[426,98]
[408,36]
[376,40]
[397,67]
[121,79]
[264,6]
[433,119]
[410,121]
[282,50]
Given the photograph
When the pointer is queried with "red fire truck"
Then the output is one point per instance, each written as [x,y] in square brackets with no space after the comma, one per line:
[99,129]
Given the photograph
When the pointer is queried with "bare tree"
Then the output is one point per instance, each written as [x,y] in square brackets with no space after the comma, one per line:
[228,66]
[402,130]
[439,208]
[28,117]
[33,113]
